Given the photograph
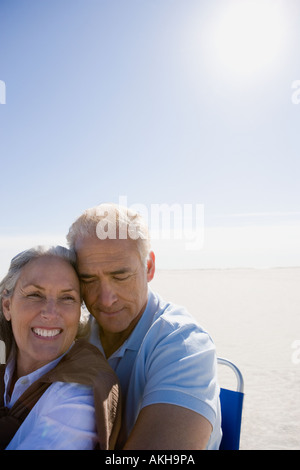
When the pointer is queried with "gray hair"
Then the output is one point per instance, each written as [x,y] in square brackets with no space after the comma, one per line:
[8,284]
[120,221]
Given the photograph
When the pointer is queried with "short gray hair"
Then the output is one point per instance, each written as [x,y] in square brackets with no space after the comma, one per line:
[123,219]
[8,283]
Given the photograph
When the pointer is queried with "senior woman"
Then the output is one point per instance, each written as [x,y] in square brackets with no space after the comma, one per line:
[56,391]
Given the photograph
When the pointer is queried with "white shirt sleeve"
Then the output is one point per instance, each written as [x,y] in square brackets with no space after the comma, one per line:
[63,419]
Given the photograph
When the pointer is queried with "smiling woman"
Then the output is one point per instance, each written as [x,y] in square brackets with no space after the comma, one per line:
[23,284]
[45,401]
[44,311]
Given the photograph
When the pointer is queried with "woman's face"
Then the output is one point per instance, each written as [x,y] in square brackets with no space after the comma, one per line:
[44,311]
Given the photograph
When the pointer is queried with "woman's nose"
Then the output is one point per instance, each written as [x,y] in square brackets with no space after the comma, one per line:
[50,309]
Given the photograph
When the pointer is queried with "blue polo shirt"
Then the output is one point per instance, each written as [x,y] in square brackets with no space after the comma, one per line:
[168,358]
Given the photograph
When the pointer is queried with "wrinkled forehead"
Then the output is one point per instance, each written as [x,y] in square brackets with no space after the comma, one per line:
[108,252]
[48,270]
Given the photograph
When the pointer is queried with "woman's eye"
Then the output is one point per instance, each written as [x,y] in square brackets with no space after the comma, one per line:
[35,295]
[69,298]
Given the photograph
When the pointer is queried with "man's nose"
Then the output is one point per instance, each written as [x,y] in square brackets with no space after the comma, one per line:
[107,296]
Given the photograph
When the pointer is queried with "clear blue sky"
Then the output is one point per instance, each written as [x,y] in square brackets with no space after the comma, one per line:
[164,101]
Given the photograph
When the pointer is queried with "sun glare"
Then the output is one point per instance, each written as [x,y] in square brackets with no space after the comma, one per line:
[247,37]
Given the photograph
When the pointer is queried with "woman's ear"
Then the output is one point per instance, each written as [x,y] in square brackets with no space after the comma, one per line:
[6,303]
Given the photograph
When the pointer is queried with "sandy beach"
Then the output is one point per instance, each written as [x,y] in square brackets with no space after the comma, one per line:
[253,316]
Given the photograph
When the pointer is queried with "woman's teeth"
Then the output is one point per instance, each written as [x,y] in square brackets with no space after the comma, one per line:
[46,333]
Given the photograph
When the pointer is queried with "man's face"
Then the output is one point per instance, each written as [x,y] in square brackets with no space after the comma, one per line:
[114,282]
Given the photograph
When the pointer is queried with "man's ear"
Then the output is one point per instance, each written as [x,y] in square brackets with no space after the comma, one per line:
[6,302]
[150,266]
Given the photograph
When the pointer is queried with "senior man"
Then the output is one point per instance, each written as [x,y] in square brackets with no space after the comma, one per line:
[165,361]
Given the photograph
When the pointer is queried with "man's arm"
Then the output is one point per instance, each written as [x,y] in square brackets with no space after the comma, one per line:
[170,427]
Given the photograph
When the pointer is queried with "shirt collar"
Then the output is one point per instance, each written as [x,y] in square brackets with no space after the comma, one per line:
[133,342]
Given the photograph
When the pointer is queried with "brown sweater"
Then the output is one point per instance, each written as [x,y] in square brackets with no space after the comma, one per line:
[83,364]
